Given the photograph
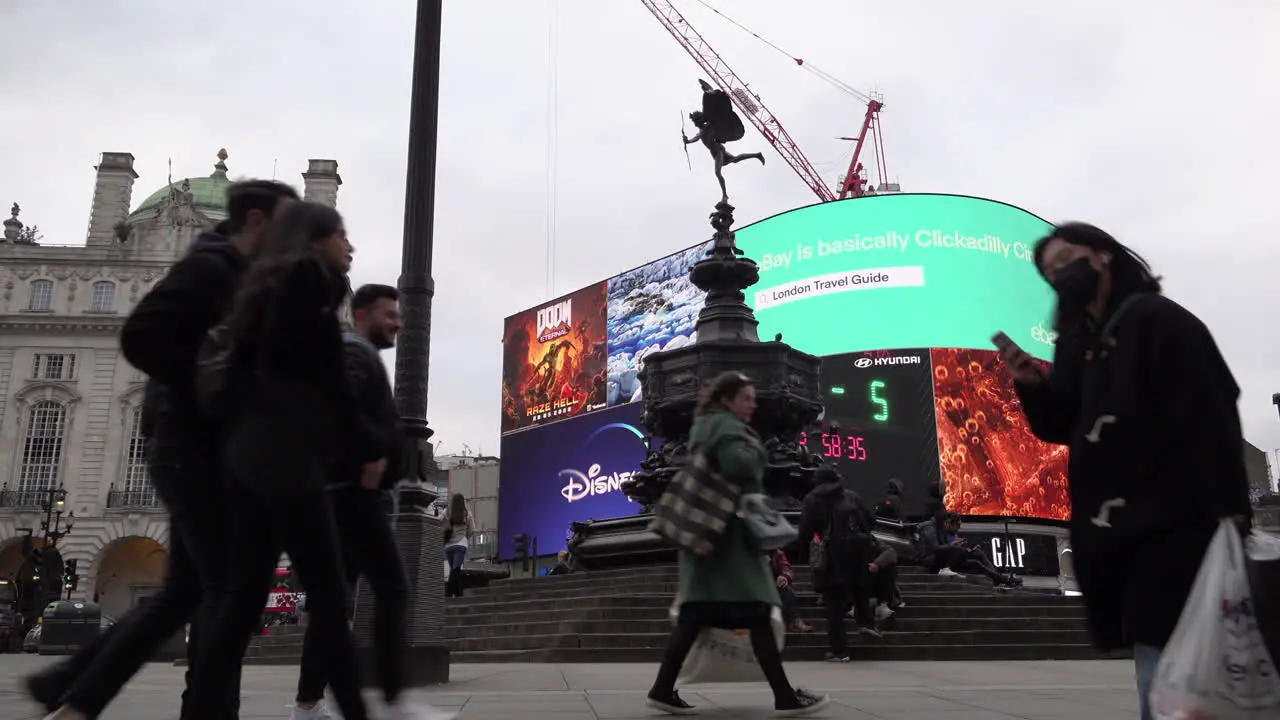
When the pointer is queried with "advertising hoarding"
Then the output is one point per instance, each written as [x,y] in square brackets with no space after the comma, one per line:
[567,471]
[890,290]
[554,360]
[900,271]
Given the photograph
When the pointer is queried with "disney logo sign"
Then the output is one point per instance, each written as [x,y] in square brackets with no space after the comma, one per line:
[579,485]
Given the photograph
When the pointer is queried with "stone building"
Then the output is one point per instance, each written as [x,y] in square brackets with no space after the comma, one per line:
[69,402]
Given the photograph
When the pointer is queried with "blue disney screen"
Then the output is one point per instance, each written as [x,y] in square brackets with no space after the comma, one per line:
[567,471]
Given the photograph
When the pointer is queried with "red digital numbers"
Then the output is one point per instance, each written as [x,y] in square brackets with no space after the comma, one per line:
[839,447]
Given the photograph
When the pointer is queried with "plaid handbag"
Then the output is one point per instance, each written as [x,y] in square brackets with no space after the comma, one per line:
[696,507]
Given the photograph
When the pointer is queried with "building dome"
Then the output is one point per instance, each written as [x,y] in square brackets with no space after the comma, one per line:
[208,195]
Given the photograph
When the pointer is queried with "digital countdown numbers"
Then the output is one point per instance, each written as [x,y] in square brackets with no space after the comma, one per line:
[878,421]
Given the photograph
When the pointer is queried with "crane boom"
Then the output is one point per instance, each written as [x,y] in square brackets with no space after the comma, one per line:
[747,102]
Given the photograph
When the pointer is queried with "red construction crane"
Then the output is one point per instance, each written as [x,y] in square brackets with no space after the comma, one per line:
[853,184]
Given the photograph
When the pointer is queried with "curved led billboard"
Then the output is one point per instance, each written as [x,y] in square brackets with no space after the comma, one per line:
[899,294]
[899,271]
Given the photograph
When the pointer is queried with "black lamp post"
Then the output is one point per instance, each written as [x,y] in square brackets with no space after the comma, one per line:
[51,526]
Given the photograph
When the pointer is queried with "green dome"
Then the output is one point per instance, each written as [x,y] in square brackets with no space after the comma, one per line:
[208,194]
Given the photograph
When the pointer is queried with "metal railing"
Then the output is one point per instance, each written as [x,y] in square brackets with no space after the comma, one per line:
[24,499]
[119,499]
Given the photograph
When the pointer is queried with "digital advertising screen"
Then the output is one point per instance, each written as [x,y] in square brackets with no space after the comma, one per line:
[899,294]
[567,471]
[878,422]
[651,308]
[554,360]
[900,271]
[992,464]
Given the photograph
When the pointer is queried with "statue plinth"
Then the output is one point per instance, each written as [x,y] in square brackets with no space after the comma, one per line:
[788,396]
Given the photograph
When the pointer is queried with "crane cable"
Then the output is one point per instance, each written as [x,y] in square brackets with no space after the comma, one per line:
[818,72]
[552,149]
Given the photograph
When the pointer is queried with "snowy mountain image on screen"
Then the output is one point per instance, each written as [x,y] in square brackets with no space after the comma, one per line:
[651,308]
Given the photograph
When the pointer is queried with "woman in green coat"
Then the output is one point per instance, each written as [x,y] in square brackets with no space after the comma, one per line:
[733,587]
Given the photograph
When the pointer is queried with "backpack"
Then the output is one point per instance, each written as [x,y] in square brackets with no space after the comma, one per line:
[848,531]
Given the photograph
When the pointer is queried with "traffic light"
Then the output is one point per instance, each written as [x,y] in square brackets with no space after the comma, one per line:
[70,578]
[37,559]
[522,550]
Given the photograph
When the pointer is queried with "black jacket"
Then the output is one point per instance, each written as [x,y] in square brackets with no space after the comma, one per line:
[1156,459]
[826,509]
[163,334]
[295,418]
[379,433]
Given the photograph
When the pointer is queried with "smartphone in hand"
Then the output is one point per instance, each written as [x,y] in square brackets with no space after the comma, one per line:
[1019,362]
[1003,342]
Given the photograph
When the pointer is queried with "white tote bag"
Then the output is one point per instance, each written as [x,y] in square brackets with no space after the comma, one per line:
[725,656]
[1216,666]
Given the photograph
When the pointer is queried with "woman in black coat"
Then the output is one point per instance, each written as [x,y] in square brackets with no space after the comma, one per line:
[292,418]
[1144,399]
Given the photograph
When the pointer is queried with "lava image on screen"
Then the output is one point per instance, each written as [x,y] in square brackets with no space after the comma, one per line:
[554,360]
[653,307]
[878,423]
[992,463]
[564,472]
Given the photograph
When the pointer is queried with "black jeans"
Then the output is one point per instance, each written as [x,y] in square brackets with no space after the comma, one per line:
[196,578]
[369,549]
[694,618]
[967,560]
[298,522]
[884,584]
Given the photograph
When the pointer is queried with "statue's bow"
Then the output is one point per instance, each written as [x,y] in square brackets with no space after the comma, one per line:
[683,142]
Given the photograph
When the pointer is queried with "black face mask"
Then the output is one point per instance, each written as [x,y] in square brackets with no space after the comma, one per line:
[1077,284]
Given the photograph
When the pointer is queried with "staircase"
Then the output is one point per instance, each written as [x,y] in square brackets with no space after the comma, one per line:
[622,616]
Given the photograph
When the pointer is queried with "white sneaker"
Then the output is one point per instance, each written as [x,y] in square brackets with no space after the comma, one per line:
[417,711]
[883,612]
[319,711]
[948,572]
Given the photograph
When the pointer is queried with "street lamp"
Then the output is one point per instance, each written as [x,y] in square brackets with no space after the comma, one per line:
[54,507]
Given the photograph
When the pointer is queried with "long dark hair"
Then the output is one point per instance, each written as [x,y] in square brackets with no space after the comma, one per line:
[291,242]
[722,387]
[1130,273]
[457,510]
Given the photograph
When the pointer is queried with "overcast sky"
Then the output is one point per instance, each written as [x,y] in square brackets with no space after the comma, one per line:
[1155,121]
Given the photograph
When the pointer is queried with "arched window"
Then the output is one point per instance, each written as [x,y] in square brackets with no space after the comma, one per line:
[41,296]
[42,450]
[103,299]
[137,488]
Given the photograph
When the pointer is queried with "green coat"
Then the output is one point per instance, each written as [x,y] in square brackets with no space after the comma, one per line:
[736,571]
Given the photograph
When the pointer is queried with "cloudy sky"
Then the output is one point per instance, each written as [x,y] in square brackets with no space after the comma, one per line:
[560,117]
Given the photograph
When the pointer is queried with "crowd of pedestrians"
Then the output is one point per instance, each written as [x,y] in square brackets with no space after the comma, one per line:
[269,431]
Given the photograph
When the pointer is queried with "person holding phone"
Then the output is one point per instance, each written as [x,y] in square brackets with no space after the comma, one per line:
[1140,393]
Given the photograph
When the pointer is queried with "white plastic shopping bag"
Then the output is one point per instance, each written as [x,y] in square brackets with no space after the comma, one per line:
[725,656]
[1216,666]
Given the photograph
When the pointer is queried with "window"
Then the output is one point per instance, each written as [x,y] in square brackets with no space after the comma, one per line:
[41,296]
[104,297]
[137,489]
[53,366]
[42,449]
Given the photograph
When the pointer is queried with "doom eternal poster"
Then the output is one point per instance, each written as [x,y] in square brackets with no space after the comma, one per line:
[555,360]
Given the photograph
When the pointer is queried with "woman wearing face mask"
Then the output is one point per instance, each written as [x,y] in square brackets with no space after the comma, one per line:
[1144,399]
[733,587]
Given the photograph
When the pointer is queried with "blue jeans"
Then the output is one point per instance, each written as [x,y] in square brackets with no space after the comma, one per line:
[1145,659]
[456,555]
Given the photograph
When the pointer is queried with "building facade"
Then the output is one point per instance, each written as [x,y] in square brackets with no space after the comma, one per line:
[476,477]
[70,405]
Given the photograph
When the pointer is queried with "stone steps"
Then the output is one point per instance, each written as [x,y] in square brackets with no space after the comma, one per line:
[623,616]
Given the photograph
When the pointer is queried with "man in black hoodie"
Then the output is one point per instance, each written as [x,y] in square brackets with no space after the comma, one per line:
[162,338]
[356,489]
[840,570]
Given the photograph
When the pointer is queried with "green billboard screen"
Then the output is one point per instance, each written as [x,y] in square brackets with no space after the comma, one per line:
[900,271]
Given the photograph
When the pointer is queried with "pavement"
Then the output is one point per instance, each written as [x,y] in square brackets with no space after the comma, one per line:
[1066,690]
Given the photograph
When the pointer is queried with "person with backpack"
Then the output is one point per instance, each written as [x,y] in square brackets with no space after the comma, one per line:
[1144,399]
[840,561]
[162,338]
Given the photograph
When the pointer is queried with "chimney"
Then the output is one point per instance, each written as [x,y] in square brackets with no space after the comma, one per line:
[112,193]
[320,182]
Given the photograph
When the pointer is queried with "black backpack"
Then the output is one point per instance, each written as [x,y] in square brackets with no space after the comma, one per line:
[848,531]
